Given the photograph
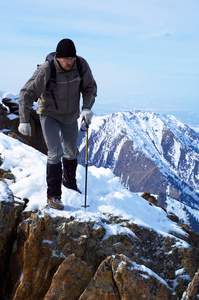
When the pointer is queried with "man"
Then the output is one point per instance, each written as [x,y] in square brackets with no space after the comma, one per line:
[58,111]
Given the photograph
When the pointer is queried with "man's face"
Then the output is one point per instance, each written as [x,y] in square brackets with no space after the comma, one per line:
[66,62]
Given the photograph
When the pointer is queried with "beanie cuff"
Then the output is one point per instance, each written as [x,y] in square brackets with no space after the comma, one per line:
[65,48]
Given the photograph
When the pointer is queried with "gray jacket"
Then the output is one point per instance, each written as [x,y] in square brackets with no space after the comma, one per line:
[66,92]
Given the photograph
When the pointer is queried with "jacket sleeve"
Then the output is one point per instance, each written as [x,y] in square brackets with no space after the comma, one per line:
[32,90]
[89,86]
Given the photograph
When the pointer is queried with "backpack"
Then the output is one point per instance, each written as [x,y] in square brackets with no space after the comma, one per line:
[52,81]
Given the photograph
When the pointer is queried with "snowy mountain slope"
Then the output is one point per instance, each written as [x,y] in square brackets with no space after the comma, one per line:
[106,196]
[163,139]
[149,152]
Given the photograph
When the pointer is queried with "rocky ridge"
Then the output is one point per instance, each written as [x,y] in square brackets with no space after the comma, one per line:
[45,257]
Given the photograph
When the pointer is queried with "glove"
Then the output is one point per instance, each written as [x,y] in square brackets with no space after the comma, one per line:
[87,115]
[25,128]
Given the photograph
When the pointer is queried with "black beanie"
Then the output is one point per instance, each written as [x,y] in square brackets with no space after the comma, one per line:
[65,48]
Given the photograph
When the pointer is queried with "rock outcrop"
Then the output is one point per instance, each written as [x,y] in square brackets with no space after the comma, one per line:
[7,232]
[119,278]
[58,258]
[192,291]
[70,280]
[9,122]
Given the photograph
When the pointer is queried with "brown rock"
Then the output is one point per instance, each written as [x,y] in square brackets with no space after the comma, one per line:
[44,244]
[150,198]
[7,234]
[48,241]
[39,263]
[193,235]
[70,280]
[12,105]
[138,282]
[193,289]
[10,125]
[172,217]
[119,278]
[102,286]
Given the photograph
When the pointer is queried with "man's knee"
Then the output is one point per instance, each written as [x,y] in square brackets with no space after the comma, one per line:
[71,154]
[54,156]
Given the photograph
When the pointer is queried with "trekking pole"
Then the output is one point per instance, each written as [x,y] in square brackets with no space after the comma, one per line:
[86,166]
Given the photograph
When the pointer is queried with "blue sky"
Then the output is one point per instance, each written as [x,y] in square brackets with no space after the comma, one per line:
[143,54]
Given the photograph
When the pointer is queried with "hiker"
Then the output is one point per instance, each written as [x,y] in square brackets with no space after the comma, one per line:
[58,111]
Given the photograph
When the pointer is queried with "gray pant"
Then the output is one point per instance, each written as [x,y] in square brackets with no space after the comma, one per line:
[61,139]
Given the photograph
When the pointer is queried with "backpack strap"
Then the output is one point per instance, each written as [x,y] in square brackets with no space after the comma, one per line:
[79,68]
[52,80]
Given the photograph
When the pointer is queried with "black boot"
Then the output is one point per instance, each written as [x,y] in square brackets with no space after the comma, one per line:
[54,180]
[69,176]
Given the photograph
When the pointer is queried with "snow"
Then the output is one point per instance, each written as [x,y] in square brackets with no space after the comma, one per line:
[8,95]
[14,99]
[176,152]
[114,229]
[5,192]
[47,242]
[196,128]
[105,195]
[177,208]
[179,272]
[181,210]
[13,117]
[141,268]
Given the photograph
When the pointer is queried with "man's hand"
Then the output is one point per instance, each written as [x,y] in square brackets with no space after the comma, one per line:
[87,115]
[25,129]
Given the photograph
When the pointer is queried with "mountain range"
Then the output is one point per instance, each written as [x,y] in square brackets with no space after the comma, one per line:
[152,153]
